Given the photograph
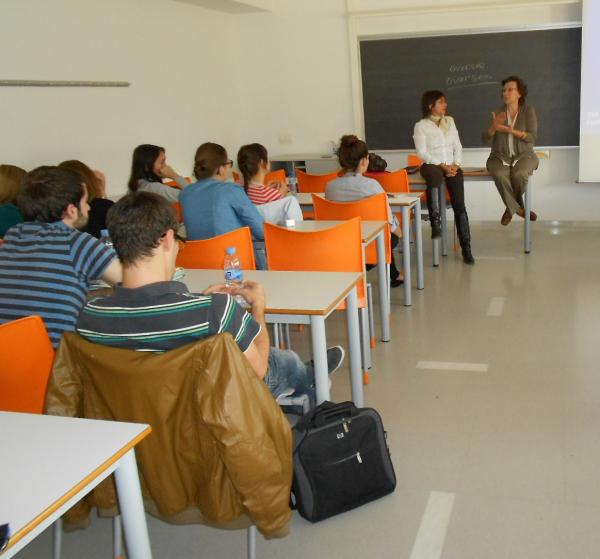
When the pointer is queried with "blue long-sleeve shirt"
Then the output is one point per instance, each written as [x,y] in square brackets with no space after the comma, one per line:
[212,207]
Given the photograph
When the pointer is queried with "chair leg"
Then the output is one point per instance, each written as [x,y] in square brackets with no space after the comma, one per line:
[57,539]
[276,334]
[117,537]
[251,542]
[286,334]
[371,320]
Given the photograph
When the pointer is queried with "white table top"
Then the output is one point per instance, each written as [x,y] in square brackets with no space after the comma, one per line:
[304,157]
[48,459]
[368,229]
[305,199]
[288,292]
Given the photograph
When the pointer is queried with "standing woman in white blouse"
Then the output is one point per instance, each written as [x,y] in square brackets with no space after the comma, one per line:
[438,145]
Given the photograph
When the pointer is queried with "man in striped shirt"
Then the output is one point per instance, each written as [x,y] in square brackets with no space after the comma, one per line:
[150,312]
[46,264]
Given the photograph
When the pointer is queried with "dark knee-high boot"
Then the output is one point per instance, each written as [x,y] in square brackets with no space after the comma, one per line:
[464,236]
[433,207]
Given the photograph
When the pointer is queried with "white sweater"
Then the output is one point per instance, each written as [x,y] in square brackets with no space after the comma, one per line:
[436,147]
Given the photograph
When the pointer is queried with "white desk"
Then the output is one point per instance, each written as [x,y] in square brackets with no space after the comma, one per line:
[406,203]
[49,463]
[370,231]
[293,298]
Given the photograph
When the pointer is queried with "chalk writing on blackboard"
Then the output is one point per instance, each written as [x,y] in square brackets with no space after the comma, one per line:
[468,75]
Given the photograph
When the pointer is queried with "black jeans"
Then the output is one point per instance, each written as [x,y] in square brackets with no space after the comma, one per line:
[434,177]
[394,273]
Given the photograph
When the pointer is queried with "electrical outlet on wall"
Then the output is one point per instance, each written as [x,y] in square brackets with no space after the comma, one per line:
[284,138]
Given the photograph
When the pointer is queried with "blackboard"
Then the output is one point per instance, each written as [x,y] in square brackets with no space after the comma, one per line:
[469,70]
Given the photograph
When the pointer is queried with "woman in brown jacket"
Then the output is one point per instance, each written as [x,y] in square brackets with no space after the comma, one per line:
[512,134]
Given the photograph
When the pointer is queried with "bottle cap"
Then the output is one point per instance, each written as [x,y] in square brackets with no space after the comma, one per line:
[230,250]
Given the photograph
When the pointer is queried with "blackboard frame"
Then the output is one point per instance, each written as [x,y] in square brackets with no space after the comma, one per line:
[388,124]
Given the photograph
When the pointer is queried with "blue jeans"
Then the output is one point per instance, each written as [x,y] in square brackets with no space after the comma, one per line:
[286,370]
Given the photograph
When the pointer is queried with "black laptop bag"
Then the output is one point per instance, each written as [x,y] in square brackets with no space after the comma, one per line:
[341,460]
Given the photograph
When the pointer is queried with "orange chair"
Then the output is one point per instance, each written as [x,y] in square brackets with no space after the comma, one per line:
[275,176]
[413,160]
[392,182]
[26,355]
[335,249]
[174,184]
[313,183]
[177,207]
[209,254]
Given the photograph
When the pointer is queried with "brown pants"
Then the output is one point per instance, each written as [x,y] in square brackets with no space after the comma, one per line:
[512,180]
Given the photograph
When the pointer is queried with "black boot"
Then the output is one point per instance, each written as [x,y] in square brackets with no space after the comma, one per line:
[433,207]
[464,236]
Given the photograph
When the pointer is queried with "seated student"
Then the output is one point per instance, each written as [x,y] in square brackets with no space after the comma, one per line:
[46,264]
[150,312]
[11,178]
[353,156]
[95,183]
[212,205]
[377,164]
[148,169]
[272,200]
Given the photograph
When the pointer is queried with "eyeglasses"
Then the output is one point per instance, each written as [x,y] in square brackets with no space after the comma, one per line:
[229,162]
[180,240]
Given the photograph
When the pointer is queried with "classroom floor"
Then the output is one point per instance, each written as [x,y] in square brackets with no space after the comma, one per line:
[490,392]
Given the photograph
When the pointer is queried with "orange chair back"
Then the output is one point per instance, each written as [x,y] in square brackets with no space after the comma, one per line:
[275,176]
[177,207]
[392,182]
[313,183]
[414,160]
[174,184]
[373,208]
[26,356]
[209,254]
[335,249]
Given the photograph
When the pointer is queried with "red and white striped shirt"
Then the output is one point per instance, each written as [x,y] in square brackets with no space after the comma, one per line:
[261,194]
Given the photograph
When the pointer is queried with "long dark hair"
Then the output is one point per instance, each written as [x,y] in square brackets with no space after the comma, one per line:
[142,163]
[249,158]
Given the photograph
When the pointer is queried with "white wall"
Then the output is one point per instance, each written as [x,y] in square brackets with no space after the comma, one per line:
[177,57]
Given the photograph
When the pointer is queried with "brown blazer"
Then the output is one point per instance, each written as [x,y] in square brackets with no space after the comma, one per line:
[220,448]
[527,122]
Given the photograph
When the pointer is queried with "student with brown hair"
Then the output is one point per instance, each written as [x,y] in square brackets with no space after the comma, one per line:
[213,205]
[11,178]
[353,156]
[95,183]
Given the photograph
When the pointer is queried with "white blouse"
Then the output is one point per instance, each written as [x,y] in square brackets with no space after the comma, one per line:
[436,147]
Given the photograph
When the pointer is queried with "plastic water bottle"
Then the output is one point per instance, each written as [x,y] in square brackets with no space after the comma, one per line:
[105,238]
[233,273]
[292,182]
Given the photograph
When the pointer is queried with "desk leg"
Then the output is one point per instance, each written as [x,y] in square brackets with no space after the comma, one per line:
[384,292]
[442,195]
[319,349]
[527,237]
[406,255]
[132,508]
[354,348]
[418,236]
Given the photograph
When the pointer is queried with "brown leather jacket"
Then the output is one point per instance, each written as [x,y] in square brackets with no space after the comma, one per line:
[220,448]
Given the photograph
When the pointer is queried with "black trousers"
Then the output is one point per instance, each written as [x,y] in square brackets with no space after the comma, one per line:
[434,177]
[394,273]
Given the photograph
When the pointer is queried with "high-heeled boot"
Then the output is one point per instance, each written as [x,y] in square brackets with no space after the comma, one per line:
[464,236]
[433,207]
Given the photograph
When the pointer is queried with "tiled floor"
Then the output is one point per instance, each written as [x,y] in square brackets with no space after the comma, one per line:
[517,448]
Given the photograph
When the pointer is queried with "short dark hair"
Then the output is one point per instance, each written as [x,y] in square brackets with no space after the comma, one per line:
[377,164]
[521,87]
[351,151]
[137,222]
[249,158]
[142,165]
[429,99]
[209,157]
[47,192]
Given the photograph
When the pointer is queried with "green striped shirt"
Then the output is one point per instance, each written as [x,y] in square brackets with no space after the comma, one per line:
[162,316]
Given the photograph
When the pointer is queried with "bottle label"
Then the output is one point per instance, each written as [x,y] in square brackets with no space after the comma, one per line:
[233,274]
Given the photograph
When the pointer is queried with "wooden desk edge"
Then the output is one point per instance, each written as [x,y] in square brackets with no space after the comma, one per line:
[74,490]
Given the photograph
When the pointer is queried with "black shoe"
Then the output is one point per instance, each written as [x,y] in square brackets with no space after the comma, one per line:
[396,282]
[335,357]
[468,257]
